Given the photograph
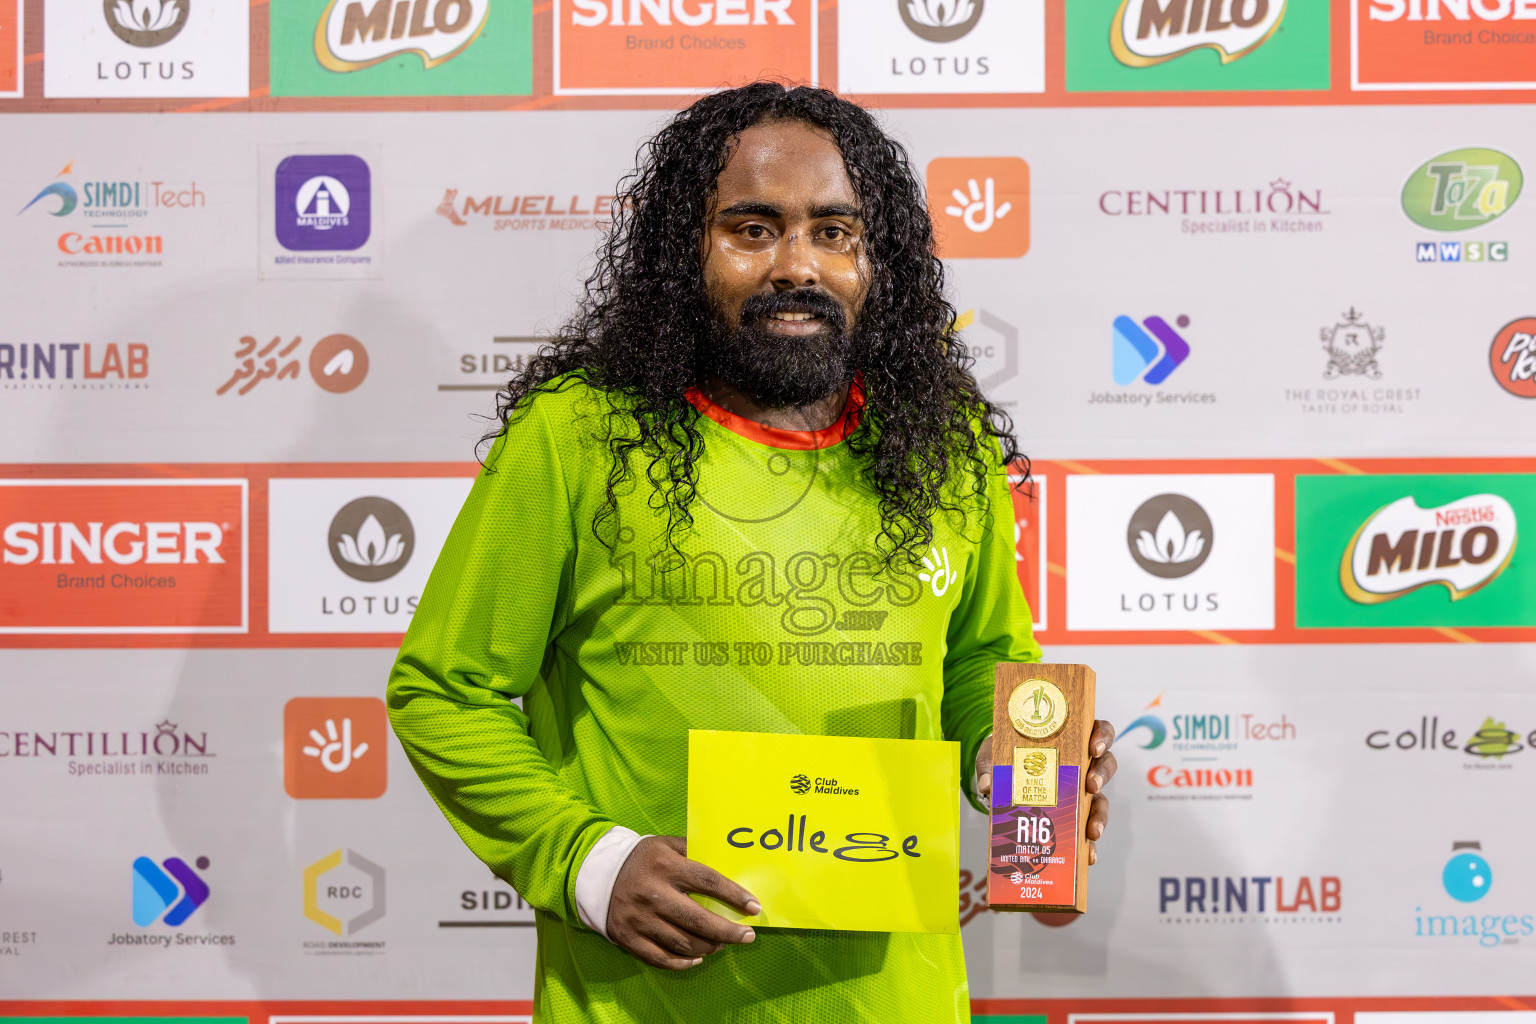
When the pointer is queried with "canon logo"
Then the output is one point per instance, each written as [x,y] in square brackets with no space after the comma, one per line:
[122,543]
[692,13]
[1457,10]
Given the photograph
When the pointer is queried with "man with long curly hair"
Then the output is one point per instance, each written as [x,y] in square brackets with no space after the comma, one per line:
[751,485]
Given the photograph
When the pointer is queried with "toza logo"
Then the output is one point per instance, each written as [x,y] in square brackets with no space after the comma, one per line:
[146,22]
[1465,188]
[1170,536]
[940,21]
[322,761]
[1352,345]
[1151,357]
[175,892]
[1148,32]
[1462,545]
[1513,357]
[352,35]
[371,539]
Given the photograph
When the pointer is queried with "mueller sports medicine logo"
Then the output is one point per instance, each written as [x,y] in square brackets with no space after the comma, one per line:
[335,748]
[323,203]
[527,212]
[1148,32]
[146,22]
[355,34]
[122,556]
[1462,545]
[980,206]
[1512,357]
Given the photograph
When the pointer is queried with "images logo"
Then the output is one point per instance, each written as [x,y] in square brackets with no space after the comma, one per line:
[1465,188]
[1513,357]
[336,892]
[1352,345]
[371,539]
[350,36]
[323,203]
[1462,545]
[1148,32]
[980,206]
[940,21]
[1170,536]
[323,760]
[146,22]
[1135,350]
[177,887]
[1468,878]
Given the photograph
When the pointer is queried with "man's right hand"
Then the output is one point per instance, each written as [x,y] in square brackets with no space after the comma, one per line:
[651,916]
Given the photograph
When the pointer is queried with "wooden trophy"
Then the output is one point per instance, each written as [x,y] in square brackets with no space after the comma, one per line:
[1042,720]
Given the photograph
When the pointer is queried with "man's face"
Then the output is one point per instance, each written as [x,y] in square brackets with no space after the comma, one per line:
[784,266]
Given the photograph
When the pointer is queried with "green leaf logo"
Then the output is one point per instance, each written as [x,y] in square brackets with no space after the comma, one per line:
[1465,188]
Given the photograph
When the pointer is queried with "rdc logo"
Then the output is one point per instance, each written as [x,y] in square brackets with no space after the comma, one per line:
[800,784]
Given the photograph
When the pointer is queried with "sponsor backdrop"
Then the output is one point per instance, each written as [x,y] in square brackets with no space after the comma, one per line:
[1252,277]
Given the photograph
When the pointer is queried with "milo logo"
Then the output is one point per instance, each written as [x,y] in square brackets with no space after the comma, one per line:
[1462,189]
[1462,545]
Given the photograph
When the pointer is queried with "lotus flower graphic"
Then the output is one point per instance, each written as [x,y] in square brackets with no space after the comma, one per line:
[371,539]
[146,15]
[1171,544]
[940,21]
[1169,536]
[371,546]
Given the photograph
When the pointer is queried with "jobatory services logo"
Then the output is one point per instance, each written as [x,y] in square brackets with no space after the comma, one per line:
[108,223]
[1467,879]
[371,539]
[338,363]
[12,58]
[1281,208]
[1458,191]
[335,748]
[1487,747]
[980,206]
[1196,45]
[123,556]
[1411,44]
[1512,357]
[401,47]
[124,49]
[168,892]
[344,893]
[169,749]
[941,46]
[1143,551]
[1400,550]
[1209,753]
[1148,355]
[656,47]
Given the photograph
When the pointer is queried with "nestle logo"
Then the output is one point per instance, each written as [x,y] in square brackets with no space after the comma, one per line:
[800,784]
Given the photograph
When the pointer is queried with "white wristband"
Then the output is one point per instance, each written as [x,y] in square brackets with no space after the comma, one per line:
[598,872]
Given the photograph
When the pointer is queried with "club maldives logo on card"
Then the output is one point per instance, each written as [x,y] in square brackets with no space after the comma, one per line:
[679,47]
[123,556]
[1432,44]
[1397,550]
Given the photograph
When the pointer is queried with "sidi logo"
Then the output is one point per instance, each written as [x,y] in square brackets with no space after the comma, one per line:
[1147,32]
[980,206]
[335,748]
[1462,545]
[355,34]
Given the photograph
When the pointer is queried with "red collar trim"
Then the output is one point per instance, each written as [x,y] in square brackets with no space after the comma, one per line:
[794,440]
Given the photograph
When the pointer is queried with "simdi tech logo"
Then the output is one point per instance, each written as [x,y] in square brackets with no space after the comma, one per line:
[1203,739]
[980,206]
[1196,45]
[109,222]
[123,556]
[1438,45]
[680,47]
[123,49]
[941,46]
[402,47]
[335,748]
[1399,550]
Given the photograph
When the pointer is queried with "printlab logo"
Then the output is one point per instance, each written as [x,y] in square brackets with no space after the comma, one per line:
[940,21]
[1462,545]
[355,883]
[338,363]
[146,22]
[1513,357]
[800,784]
[1148,32]
[352,37]
[1468,878]
[1352,345]
[984,204]
[335,748]
[1170,536]
[56,366]
[1462,189]
[1148,355]
[323,203]
[176,891]
[1216,899]
[371,539]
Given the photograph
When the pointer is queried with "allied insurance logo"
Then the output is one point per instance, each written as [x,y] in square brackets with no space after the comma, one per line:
[123,556]
[980,206]
[1425,44]
[323,203]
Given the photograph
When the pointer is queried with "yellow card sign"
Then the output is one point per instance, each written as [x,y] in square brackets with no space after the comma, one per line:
[833,832]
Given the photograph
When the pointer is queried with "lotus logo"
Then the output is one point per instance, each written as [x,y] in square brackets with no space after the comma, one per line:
[800,784]
[371,539]
[1170,536]
[940,21]
[146,22]
[1147,32]
[1462,545]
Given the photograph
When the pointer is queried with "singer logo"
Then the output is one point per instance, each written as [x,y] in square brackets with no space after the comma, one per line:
[10,47]
[1432,44]
[122,556]
[1148,32]
[1462,545]
[354,35]
[335,748]
[980,206]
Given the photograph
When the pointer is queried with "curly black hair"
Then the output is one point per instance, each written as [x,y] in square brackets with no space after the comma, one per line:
[926,435]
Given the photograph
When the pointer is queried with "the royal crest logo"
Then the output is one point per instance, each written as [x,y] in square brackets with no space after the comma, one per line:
[1352,345]
[1462,545]
[355,34]
[1148,32]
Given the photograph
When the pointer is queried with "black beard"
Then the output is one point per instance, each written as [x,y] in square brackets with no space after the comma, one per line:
[781,372]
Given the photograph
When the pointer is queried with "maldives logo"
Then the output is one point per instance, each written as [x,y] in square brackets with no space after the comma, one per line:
[1465,188]
[352,35]
[335,748]
[323,203]
[980,206]
[1148,351]
[1513,357]
[169,888]
[146,22]
[1462,545]
[1148,32]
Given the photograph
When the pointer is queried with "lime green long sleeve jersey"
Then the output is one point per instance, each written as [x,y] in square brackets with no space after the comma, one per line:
[772,614]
